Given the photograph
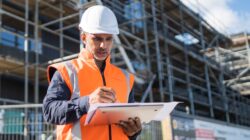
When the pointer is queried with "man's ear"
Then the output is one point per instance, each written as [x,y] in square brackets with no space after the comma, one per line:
[83,38]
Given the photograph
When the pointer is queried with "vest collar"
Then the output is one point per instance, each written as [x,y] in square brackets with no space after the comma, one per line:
[88,57]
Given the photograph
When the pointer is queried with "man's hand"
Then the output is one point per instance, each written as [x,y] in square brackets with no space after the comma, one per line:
[131,127]
[102,95]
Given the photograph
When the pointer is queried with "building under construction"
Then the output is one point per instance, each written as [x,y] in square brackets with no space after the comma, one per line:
[174,53]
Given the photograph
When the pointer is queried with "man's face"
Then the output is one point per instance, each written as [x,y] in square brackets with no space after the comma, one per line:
[98,44]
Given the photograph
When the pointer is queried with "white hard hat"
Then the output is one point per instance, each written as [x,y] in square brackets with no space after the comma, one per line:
[99,19]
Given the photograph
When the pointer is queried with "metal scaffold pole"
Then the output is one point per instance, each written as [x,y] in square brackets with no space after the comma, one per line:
[206,70]
[37,50]
[158,52]
[222,87]
[224,91]
[1,7]
[61,31]
[145,35]
[168,84]
[26,78]
[1,4]
[26,49]
[81,2]
[248,48]
[187,67]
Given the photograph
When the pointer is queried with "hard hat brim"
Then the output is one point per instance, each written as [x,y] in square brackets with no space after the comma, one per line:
[114,31]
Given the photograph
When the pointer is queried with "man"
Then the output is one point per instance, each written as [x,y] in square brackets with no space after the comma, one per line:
[89,79]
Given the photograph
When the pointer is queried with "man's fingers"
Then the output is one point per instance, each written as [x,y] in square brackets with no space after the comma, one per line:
[132,124]
[108,90]
[138,123]
[108,97]
[124,126]
[104,99]
[103,93]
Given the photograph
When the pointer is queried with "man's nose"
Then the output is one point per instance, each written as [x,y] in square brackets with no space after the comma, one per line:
[103,44]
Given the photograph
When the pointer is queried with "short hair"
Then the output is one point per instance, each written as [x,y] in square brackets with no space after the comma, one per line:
[81,31]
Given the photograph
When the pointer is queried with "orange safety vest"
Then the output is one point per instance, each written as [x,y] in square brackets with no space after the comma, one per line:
[82,77]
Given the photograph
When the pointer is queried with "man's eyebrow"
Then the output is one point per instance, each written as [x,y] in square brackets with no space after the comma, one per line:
[99,37]
[110,37]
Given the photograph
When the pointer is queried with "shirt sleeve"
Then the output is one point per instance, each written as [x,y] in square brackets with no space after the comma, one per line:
[134,137]
[59,106]
[131,98]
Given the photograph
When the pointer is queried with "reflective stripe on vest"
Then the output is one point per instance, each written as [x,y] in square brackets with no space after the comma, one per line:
[127,81]
[73,78]
[76,130]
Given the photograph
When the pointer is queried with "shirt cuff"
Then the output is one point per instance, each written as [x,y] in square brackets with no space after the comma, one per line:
[134,136]
[84,104]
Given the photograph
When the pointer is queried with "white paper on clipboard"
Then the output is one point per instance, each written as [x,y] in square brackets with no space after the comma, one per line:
[101,114]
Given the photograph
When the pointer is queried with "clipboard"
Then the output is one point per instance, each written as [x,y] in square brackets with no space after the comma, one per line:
[103,114]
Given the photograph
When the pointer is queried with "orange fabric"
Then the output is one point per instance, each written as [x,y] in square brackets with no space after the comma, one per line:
[62,70]
[89,78]
[63,130]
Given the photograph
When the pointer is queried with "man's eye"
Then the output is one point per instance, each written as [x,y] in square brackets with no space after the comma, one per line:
[109,39]
[97,39]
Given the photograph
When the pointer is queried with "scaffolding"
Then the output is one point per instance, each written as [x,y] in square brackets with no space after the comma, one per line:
[164,43]
[240,63]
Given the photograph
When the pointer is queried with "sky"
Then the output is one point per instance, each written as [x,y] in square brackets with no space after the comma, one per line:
[227,16]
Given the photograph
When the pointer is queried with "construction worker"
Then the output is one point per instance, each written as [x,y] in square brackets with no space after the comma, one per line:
[89,79]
